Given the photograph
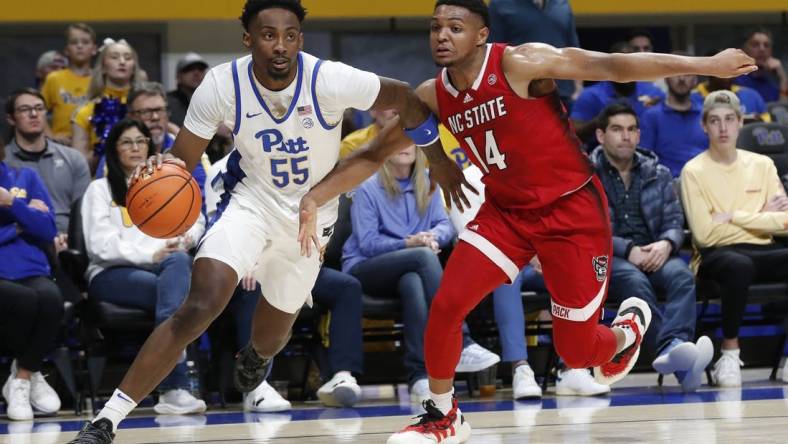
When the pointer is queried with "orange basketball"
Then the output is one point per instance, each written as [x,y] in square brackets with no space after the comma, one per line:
[166,203]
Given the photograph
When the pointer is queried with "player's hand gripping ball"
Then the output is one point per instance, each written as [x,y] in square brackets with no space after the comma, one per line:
[164,203]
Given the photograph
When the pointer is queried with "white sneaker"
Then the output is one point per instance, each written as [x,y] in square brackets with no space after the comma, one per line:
[727,371]
[524,385]
[435,427]
[16,392]
[475,358]
[679,359]
[265,399]
[43,397]
[694,377]
[420,391]
[784,376]
[341,391]
[179,402]
[578,382]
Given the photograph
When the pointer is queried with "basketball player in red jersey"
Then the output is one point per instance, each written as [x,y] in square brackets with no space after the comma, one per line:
[541,197]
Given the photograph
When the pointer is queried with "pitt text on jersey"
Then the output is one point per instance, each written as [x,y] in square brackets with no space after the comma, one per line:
[285,171]
[478,115]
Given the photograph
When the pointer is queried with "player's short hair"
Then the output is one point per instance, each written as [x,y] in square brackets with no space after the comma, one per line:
[478,7]
[146,89]
[10,104]
[756,30]
[612,110]
[253,7]
[84,28]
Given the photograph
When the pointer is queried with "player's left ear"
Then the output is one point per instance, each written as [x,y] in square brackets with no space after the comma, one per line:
[484,34]
[300,41]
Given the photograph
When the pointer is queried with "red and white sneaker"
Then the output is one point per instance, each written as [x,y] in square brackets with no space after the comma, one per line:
[435,427]
[635,315]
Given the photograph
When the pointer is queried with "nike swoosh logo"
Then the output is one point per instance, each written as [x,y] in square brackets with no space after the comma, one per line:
[249,116]
[338,383]
[429,133]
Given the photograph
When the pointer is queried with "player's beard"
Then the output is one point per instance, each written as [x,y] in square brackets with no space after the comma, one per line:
[280,75]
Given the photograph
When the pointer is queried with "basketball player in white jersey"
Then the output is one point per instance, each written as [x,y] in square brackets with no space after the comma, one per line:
[285,108]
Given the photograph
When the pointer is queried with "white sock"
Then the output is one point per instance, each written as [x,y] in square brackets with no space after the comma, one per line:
[734,353]
[117,408]
[443,402]
[629,338]
[343,374]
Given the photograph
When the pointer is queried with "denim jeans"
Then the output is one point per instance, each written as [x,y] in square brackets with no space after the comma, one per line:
[160,290]
[678,284]
[413,275]
[340,293]
[508,306]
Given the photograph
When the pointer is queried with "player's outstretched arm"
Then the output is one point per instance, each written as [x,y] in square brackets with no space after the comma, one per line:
[540,61]
[185,152]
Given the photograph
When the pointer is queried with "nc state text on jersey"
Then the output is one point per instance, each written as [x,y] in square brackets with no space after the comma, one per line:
[478,115]
[273,140]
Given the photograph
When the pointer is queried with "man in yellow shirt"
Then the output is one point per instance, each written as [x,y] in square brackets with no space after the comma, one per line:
[66,89]
[735,205]
[356,139]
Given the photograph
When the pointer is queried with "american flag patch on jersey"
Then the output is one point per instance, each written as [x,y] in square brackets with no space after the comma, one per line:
[304,110]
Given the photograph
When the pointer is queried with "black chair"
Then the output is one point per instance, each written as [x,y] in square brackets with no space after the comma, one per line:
[769,139]
[779,112]
[98,319]
[374,306]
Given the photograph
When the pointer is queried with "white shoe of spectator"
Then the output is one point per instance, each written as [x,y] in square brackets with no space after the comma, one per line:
[524,384]
[265,399]
[694,376]
[679,359]
[341,391]
[179,402]
[475,358]
[784,376]
[727,370]
[16,392]
[43,397]
[420,391]
[578,382]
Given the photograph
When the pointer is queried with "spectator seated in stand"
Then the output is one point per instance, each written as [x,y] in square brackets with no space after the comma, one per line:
[31,306]
[671,129]
[116,70]
[398,231]
[735,205]
[648,231]
[66,89]
[64,171]
[130,268]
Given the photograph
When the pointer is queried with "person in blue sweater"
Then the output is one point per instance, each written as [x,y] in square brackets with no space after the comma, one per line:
[398,231]
[31,306]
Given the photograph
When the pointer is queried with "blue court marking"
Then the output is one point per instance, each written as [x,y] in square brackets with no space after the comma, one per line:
[619,398]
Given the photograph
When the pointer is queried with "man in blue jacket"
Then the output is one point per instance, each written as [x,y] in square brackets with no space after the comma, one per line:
[648,231]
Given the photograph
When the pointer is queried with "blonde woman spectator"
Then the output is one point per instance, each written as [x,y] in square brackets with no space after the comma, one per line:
[116,70]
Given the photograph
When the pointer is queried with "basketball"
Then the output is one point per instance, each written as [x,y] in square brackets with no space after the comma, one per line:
[166,203]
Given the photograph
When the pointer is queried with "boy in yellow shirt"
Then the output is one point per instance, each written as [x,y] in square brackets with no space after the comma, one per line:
[735,205]
[66,89]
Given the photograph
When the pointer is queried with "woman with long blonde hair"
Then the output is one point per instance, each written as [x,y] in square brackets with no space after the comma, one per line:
[398,231]
[116,70]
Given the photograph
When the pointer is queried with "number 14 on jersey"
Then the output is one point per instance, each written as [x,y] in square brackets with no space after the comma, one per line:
[492,155]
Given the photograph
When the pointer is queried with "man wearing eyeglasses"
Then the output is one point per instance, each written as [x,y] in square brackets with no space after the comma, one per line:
[64,170]
[147,103]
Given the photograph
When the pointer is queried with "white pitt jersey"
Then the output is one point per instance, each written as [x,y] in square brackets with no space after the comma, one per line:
[277,159]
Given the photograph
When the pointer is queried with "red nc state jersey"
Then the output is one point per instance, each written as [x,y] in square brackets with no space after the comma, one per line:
[526,148]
